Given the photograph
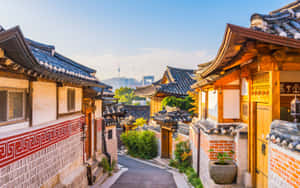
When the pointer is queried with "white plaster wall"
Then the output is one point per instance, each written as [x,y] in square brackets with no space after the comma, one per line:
[213,103]
[231,104]
[241,144]
[13,83]
[289,76]
[44,102]
[13,127]
[98,111]
[63,106]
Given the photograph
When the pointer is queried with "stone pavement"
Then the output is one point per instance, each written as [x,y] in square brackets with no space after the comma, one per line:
[141,175]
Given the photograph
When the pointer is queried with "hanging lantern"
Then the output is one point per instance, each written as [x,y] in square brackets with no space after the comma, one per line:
[295,109]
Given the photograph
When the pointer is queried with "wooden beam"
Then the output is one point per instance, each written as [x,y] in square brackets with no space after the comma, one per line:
[1,53]
[30,102]
[9,74]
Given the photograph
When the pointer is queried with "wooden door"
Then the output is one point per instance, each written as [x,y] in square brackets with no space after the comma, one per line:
[263,121]
[166,143]
[88,118]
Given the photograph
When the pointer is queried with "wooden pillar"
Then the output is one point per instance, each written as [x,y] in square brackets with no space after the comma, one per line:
[30,102]
[275,94]
[57,101]
[220,105]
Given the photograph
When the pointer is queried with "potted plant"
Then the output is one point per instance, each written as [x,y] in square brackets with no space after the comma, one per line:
[223,170]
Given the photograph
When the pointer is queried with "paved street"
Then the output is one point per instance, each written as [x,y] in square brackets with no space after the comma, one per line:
[140,175]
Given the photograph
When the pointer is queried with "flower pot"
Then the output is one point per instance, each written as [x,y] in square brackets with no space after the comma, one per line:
[222,173]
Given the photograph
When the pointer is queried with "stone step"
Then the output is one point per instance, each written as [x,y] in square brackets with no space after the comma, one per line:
[98,174]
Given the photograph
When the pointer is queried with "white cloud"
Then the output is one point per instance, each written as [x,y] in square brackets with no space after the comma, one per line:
[149,61]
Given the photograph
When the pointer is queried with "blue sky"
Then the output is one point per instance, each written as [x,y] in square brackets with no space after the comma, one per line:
[140,36]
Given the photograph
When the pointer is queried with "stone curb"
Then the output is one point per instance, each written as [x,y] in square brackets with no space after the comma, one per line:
[111,180]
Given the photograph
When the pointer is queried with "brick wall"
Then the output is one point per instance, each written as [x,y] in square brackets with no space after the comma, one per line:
[284,167]
[43,157]
[217,144]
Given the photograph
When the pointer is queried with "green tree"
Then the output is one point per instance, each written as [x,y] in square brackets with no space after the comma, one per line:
[126,95]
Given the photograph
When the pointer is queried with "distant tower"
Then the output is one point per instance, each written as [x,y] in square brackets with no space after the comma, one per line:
[119,71]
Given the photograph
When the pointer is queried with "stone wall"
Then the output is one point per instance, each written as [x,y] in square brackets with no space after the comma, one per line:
[284,167]
[44,157]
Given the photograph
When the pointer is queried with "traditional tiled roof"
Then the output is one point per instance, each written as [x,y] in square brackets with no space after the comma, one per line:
[285,134]
[172,116]
[283,22]
[115,109]
[138,111]
[280,27]
[229,129]
[50,59]
[41,60]
[179,82]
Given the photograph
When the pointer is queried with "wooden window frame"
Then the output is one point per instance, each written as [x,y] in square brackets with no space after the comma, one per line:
[19,119]
[110,134]
[70,107]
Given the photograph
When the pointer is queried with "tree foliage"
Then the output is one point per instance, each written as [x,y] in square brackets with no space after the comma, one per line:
[126,95]
[185,103]
[140,122]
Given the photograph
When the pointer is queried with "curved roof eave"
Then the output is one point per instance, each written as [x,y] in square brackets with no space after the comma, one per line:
[22,55]
[246,33]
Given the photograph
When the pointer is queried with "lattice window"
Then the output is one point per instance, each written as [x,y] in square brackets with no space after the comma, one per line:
[110,134]
[12,104]
[71,99]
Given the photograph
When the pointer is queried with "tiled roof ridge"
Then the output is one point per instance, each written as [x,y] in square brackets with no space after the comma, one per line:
[283,22]
[51,51]
[180,69]
[292,5]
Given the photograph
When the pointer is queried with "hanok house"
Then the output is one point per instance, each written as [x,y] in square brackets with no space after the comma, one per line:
[173,128]
[251,83]
[47,131]
[175,82]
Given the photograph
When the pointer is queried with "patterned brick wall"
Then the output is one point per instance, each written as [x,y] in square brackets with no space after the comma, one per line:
[284,167]
[37,157]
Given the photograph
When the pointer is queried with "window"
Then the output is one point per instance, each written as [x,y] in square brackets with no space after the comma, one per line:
[231,104]
[244,87]
[71,99]
[110,134]
[12,104]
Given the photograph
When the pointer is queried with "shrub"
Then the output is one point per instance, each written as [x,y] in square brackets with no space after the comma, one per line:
[142,144]
[105,165]
[183,155]
[183,161]
[173,163]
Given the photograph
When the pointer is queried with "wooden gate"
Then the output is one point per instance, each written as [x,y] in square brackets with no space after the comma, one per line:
[263,121]
[166,143]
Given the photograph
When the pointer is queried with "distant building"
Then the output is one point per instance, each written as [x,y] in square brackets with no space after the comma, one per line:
[118,82]
[147,80]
